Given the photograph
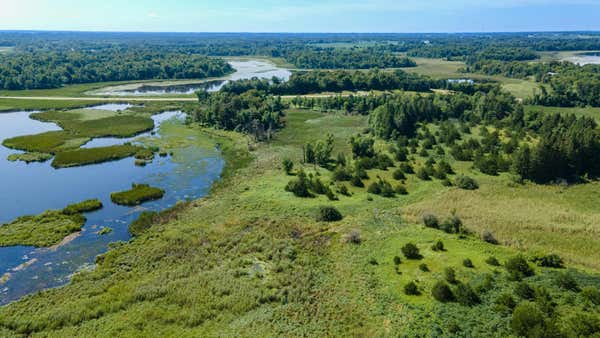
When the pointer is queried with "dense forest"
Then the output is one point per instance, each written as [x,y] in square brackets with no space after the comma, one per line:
[40,70]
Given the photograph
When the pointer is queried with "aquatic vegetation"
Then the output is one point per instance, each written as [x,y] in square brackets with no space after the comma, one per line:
[43,230]
[85,156]
[138,194]
[30,157]
[81,207]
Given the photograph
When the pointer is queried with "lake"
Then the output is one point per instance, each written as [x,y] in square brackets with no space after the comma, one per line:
[36,187]
[244,69]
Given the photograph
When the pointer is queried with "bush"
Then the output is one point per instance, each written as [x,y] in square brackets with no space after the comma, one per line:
[300,186]
[288,165]
[452,225]
[353,237]
[566,281]
[549,261]
[450,275]
[342,174]
[465,295]
[373,261]
[492,261]
[518,268]
[524,291]
[411,289]
[357,182]
[442,292]
[488,237]
[329,214]
[592,294]
[406,168]
[438,246]
[528,321]
[398,175]
[468,263]
[583,325]
[423,174]
[505,302]
[431,221]
[423,267]
[466,183]
[411,251]
[344,190]
[401,190]
[397,260]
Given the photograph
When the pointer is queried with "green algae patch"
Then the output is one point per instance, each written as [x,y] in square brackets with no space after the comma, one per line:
[138,194]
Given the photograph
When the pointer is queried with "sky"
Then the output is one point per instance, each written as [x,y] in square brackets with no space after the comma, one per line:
[399,16]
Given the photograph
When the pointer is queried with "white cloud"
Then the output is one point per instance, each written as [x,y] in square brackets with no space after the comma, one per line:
[153,15]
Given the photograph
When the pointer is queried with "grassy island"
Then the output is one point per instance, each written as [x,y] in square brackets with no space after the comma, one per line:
[48,228]
[138,194]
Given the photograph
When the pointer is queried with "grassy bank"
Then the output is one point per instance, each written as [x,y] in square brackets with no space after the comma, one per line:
[44,230]
[252,260]
[138,194]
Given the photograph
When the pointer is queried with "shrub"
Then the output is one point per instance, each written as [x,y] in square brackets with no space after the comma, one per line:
[438,246]
[373,261]
[450,275]
[300,186]
[488,237]
[423,174]
[446,183]
[411,289]
[592,294]
[357,182]
[442,292]
[374,188]
[397,260]
[467,263]
[524,291]
[518,268]
[431,221]
[398,175]
[452,225]
[567,281]
[344,190]
[353,237]
[342,174]
[465,295]
[288,165]
[549,261]
[423,267]
[329,214]
[401,190]
[528,321]
[492,261]
[583,325]
[406,168]
[466,183]
[505,302]
[411,251]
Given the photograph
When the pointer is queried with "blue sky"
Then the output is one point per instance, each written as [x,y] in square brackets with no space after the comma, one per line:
[301,15]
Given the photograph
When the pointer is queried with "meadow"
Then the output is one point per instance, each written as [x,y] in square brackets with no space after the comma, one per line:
[250,255]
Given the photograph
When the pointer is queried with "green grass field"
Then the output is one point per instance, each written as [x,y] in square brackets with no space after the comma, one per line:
[251,259]
[439,68]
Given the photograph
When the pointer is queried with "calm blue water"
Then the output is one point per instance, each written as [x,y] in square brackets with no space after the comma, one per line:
[34,188]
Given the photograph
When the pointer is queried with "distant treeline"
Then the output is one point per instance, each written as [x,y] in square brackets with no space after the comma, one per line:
[52,69]
[348,58]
